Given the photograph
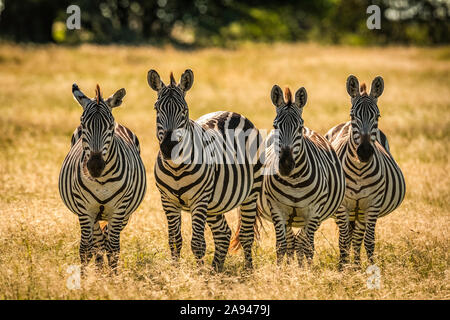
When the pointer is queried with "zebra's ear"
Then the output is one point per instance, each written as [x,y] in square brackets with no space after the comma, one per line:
[154,80]
[79,96]
[377,87]
[353,86]
[186,81]
[116,99]
[277,96]
[301,97]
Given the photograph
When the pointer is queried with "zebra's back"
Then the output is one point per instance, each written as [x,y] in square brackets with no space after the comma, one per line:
[236,143]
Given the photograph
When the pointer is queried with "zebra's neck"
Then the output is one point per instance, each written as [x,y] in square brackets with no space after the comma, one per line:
[188,151]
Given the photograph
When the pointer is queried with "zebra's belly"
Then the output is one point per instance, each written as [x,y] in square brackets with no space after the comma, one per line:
[357,207]
[101,201]
[294,214]
[231,187]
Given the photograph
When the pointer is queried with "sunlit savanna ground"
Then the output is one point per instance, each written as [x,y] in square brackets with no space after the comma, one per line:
[39,236]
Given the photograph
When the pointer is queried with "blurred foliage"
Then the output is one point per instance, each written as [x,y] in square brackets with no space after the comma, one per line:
[224,22]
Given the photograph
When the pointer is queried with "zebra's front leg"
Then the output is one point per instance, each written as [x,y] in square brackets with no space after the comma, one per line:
[112,243]
[86,242]
[342,220]
[221,234]
[173,215]
[369,236]
[299,241]
[357,238]
[290,239]
[280,233]
[308,240]
[99,244]
[198,243]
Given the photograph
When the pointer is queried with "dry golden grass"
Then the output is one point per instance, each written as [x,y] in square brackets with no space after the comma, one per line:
[39,236]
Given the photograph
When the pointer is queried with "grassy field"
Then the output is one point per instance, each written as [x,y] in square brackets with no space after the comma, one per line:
[39,236]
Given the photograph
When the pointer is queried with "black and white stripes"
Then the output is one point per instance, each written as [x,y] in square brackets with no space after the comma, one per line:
[303,182]
[198,170]
[102,177]
[375,185]
[295,178]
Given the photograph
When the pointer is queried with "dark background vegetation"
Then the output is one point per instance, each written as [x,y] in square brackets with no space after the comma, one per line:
[223,22]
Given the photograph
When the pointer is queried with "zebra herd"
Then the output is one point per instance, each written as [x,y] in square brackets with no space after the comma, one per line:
[294,177]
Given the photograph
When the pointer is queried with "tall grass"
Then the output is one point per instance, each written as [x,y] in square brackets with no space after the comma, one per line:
[39,236]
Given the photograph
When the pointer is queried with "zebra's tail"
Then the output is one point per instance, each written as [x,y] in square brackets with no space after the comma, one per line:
[235,243]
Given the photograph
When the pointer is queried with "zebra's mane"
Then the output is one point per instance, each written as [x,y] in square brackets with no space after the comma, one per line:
[173,83]
[98,95]
[288,95]
[363,89]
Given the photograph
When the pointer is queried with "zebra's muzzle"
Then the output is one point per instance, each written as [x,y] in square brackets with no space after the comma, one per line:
[167,144]
[287,162]
[96,164]
[365,151]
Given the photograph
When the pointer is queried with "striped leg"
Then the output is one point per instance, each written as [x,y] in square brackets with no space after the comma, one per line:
[290,239]
[247,231]
[307,239]
[221,234]
[112,244]
[280,233]
[299,240]
[86,242]
[369,236]
[358,235]
[173,215]
[99,245]
[342,220]
[198,243]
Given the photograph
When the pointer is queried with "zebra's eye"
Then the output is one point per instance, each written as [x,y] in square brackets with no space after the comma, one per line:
[275,126]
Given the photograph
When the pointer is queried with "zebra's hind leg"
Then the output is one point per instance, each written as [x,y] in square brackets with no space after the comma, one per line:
[290,239]
[86,242]
[99,244]
[247,230]
[198,243]
[342,220]
[221,234]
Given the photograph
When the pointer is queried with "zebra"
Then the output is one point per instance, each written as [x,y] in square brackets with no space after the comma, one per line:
[303,181]
[102,179]
[196,170]
[375,185]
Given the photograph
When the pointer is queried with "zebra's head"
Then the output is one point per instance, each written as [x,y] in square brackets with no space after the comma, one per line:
[172,113]
[364,115]
[97,125]
[288,125]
